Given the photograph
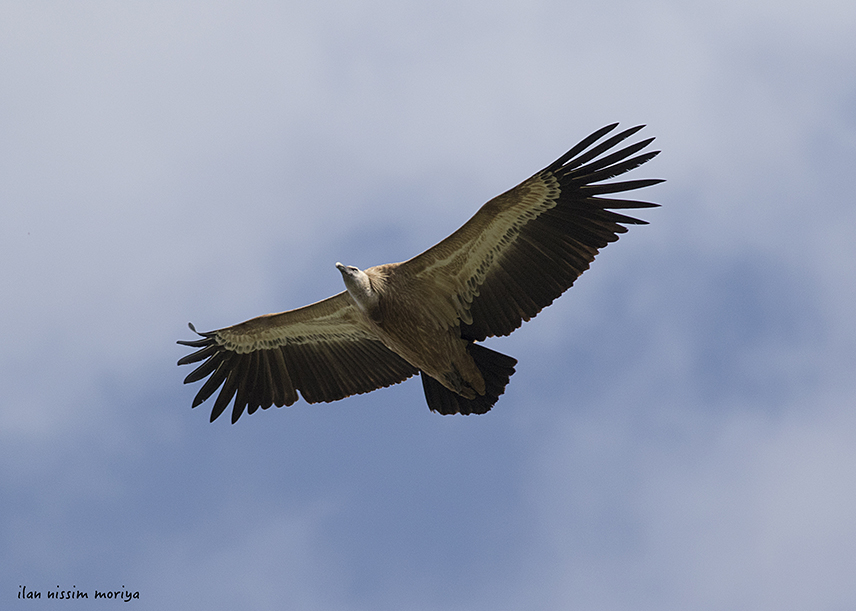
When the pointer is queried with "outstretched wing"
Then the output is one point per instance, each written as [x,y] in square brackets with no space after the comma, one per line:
[527,246]
[323,350]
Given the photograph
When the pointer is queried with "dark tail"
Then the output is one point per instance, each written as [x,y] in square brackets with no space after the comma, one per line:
[496,369]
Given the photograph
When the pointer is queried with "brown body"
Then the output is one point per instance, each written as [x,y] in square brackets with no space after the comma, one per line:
[417,334]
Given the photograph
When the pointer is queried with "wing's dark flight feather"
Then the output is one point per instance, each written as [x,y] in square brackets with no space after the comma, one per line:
[580,147]
[601,148]
[266,377]
[552,249]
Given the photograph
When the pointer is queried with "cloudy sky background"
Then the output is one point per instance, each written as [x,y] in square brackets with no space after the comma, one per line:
[680,432]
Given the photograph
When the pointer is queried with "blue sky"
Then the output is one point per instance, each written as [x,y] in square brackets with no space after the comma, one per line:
[680,432]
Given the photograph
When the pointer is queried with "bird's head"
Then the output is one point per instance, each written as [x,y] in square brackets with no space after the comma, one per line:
[347,270]
[359,286]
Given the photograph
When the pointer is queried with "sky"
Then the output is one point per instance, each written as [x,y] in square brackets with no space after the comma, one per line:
[680,432]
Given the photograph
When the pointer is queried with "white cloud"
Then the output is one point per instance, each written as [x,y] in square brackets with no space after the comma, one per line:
[735,509]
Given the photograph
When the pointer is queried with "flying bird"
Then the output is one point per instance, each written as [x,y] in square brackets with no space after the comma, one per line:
[427,315]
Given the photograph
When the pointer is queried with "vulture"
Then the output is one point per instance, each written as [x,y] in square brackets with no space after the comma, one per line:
[428,315]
